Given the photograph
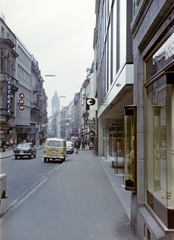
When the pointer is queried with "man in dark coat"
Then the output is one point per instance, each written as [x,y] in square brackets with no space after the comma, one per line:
[3,144]
[77,144]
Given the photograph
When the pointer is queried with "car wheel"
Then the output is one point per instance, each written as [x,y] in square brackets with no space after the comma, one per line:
[16,157]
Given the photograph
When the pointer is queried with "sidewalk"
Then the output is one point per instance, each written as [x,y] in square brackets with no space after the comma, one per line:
[116,180]
[80,201]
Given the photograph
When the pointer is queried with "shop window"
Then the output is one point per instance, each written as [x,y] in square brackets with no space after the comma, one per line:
[161,58]
[160,149]
[130,148]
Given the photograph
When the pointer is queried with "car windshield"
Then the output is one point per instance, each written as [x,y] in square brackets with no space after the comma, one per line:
[29,145]
[54,143]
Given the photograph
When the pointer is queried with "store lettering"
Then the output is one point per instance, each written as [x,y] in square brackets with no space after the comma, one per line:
[8,100]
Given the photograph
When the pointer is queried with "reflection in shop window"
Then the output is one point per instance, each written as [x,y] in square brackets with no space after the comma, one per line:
[161,58]
[160,150]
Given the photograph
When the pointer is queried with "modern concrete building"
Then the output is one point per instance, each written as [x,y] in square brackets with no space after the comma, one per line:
[23,97]
[134,68]
[152,29]
[113,66]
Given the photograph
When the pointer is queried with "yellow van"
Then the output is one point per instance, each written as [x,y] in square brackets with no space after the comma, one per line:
[54,149]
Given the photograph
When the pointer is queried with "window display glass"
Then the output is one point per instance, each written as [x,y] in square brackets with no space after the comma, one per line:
[160,140]
[161,58]
[130,145]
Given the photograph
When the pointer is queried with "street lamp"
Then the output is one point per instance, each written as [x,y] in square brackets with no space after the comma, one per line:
[50,75]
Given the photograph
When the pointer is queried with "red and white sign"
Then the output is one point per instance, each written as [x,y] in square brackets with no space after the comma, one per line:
[21,101]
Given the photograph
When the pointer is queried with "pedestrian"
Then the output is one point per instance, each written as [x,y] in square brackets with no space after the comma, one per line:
[40,141]
[77,144]
[83,144]
[3,145]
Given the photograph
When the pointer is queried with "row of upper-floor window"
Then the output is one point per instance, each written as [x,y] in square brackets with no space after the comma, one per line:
[112,28]
[24,57]
[24,77]
[111,44]
[7,66]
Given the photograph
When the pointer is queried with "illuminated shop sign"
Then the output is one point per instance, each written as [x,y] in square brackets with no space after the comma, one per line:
[9,92]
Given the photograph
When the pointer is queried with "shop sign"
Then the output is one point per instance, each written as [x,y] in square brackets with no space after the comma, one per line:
[91,103]
[21,101]
[9,92]
[90,122]
[3,119]
[33,130]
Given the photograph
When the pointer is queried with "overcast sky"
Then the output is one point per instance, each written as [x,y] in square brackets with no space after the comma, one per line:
[59,33]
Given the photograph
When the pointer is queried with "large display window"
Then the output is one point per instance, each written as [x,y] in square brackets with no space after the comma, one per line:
[130,147]
[160,136]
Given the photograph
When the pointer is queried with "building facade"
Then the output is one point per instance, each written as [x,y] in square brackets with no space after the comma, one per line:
[23,112]
[23,105]
[134,71]
[8,82]
[152,29]
[113,69]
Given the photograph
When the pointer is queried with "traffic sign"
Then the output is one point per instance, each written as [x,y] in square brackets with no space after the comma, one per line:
[90,121]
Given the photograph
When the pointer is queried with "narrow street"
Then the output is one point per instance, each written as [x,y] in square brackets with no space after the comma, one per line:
[76,201]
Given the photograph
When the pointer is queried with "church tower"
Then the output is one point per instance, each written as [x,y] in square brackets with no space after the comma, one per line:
[55,103]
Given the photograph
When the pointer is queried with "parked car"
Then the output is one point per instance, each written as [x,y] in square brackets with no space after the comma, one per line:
[54,149]
[69,147]
[3,186]
[25,150]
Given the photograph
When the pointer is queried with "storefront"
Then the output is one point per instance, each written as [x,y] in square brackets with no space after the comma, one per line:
[26,133]
[159,140]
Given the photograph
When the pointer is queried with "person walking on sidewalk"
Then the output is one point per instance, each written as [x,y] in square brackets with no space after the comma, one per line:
[77,144]
[3,145]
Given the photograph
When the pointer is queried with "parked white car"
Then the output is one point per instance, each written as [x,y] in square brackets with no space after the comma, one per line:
[3,186]
[69,147]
